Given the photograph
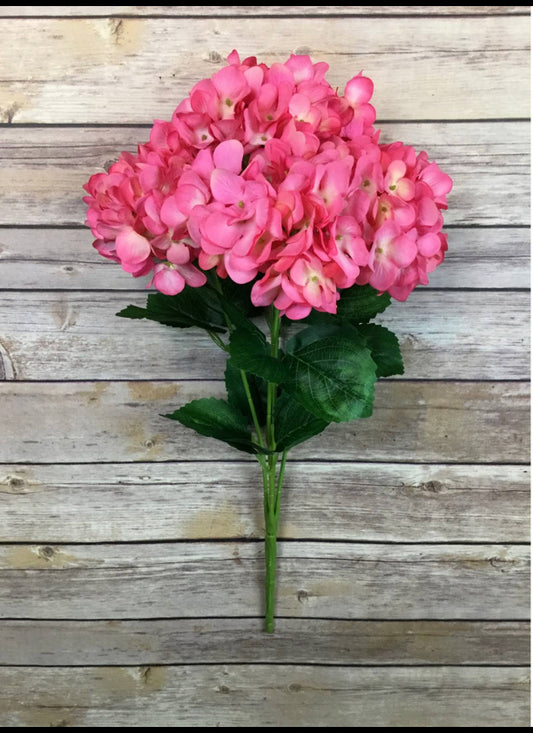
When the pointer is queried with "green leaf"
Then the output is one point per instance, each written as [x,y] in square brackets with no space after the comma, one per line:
[314,332]
[218,419]
[385,349]
[293,423]
[237,394]
[198,307]
[358,304]
[251,353]
[333,378]
[361,303]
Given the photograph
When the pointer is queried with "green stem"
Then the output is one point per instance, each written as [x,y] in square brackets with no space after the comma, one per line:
[272,486]
[275,323]
[280,482]
[253,411]
[215,284]
[270,576]
[218,341]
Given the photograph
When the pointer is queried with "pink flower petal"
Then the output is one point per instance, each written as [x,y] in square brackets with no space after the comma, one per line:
[428,244]
[168,280]
[178,253]
[359,90]
[193,277]
[132,248]
[228,155]
[171,214]
[227,187]
[403,251]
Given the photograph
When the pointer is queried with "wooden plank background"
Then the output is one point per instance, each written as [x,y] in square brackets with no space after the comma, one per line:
[130,550]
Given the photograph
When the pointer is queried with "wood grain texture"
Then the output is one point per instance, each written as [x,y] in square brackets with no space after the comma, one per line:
[241,640]
[476,335]
[424,68]
[131,568]
[63,259]
[263,696]
[28,11]
[420,422]
[342,501]
[315,579]
[52,175]
[43,169]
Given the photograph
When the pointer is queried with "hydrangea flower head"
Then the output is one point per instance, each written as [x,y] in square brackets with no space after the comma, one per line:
[270,176]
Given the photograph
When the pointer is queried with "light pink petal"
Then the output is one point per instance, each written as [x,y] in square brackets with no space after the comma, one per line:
[171,214]
[228,155]
[168,280]
[227,187]
[405,188]
[395,171]
[162,242]
[240,269]
[193,277]
[359,90]
[203,163]
[299,105]
[265,290]
[387,232]
[428,212]
[300,272]
[106,249]
[403,251]
[139,269]
[429,244]
[439,182]
[404,214]
[230,83]
[383,275]
[132,247]
[216,229]
[178,253]
[189,196]
[312,293]
[254,76]
[297,311]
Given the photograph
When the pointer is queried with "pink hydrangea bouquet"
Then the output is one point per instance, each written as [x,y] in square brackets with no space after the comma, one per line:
[267,213]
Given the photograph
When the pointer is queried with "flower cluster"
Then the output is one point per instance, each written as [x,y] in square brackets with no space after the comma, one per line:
[269,175]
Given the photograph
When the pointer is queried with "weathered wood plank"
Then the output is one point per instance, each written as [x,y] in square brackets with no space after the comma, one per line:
[121,494]
[51,259]
[420,422]
[315,579]
[263,696]
[348,501]
[415,63]
[242,640]
[479,335]
[29,11]
[43,169]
